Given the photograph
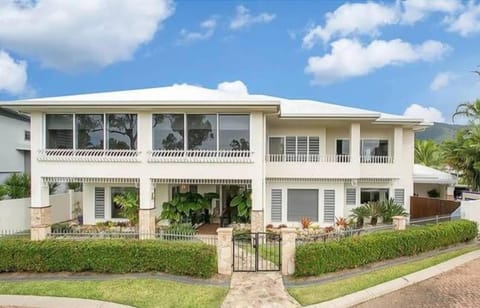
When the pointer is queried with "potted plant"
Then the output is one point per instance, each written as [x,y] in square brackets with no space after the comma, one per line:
[77,212]
[433,193]
[374,210]
[359,214]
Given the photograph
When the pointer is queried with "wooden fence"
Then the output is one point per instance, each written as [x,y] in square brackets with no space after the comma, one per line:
[428,207]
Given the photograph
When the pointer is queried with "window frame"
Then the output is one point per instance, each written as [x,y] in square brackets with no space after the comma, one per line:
[284,137]
[343,139]
[375,139]
[44,128]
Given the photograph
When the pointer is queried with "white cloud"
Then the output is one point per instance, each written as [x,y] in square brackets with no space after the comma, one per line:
[234,87]
[429,114]
[352,19]
[349,58]
[70,35]
[243,18]
[442,80]
[416,10]
[13,75]
[207,30]
[468,22]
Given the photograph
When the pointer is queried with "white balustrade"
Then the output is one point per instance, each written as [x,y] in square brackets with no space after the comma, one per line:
[372,159]
[205,156]
[299,158]
[89,155]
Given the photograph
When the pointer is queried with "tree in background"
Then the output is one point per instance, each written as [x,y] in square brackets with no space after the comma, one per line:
[428,153]
[471,111]
[17,186]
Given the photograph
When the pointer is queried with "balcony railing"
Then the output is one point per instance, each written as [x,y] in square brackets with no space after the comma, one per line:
[376,159]
[308,158]
[88,155]
[195,156]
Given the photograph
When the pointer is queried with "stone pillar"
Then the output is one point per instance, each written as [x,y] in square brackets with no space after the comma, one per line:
[146,224]
[146,213]
[40,221]
[225,250]
[40,211]
[256,220]
[289,235]
[399,222]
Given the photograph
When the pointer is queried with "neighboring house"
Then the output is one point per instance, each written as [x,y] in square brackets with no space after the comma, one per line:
[15,148]
[300,158]
[427,179]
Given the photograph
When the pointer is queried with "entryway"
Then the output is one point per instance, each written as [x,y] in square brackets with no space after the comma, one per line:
[256,252]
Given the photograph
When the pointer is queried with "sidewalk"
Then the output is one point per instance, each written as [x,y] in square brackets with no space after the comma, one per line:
[399,283]
[54,302]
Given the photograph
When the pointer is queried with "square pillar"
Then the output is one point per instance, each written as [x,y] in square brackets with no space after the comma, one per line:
[256,216]
[397,145]
[256,221]
[289,236]
[355,143]
[40,212]
[225,250]
[146,213]
[399,222]
[146,224]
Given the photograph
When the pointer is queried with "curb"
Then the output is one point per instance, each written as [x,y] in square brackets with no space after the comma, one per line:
[55,302]
[398,283]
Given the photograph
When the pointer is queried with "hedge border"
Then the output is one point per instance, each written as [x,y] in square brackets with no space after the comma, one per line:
[313,259]
[108,256]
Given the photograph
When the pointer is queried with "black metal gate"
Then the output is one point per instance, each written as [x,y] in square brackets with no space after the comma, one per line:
[256,252]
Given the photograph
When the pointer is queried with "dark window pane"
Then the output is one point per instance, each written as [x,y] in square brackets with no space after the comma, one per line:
[90,131]
[343,147]
[59,131]
[116,208]
[168,131]
[373,147]
[122,131]
[202,131]
[373,194]
[275,145]
[234,132]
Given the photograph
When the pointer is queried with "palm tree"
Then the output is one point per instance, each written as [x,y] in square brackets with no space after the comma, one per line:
[469,110]
[427,153]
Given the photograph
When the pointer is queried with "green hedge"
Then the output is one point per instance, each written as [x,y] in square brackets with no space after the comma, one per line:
[317,258]
[108,256]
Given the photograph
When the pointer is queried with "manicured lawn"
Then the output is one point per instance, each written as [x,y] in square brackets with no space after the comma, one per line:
[134,292]
[322,292]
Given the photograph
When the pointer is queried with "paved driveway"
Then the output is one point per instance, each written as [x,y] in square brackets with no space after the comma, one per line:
[459,287]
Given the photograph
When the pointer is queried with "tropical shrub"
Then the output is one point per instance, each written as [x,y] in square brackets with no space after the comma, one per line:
[374,210]
[305,222]
[17,186]
[341,222]
[184,205]
[390,209]
[433,193]
[359,214]
[129,205]
[318,258]
[243,202]
[108,256]
[186,228]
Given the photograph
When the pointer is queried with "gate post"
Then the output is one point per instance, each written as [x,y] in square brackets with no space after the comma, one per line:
[289,236]
[225,251]
[399,222]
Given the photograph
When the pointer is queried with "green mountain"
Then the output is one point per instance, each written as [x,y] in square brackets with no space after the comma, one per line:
[438,132]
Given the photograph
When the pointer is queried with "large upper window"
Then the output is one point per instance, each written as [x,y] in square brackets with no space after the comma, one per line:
[90,134]
[168,131]
[59,131]
[234,132]
[122,131]
[343,147]
[202,131]
[296,148]
[209,132]
[374,147]
[276,145]
[90,131]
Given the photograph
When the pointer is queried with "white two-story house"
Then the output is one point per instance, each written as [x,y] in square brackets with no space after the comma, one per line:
[300,158]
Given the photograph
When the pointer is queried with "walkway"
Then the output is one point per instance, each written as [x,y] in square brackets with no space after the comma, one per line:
[24,301]
[455,288]
[258,290]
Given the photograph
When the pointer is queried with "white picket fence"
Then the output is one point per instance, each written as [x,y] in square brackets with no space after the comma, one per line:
[15,213]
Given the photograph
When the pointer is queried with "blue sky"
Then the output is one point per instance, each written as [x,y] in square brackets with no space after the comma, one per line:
[385,56]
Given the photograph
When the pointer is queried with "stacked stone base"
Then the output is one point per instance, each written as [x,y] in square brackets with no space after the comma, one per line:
[146,223]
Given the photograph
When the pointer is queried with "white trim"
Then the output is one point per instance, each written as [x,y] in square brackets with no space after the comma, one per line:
[203,181]
[89,180]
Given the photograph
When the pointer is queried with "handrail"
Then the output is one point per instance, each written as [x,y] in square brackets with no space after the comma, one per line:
[200,156]
[376,159]
[90,155]
[308,158]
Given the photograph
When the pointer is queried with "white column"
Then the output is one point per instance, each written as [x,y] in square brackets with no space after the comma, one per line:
[144,131]
[146,219]
[257,145]
[398,145]
[355,143]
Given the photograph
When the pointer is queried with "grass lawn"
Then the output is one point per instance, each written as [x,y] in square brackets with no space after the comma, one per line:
[134,292]
[313,294]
